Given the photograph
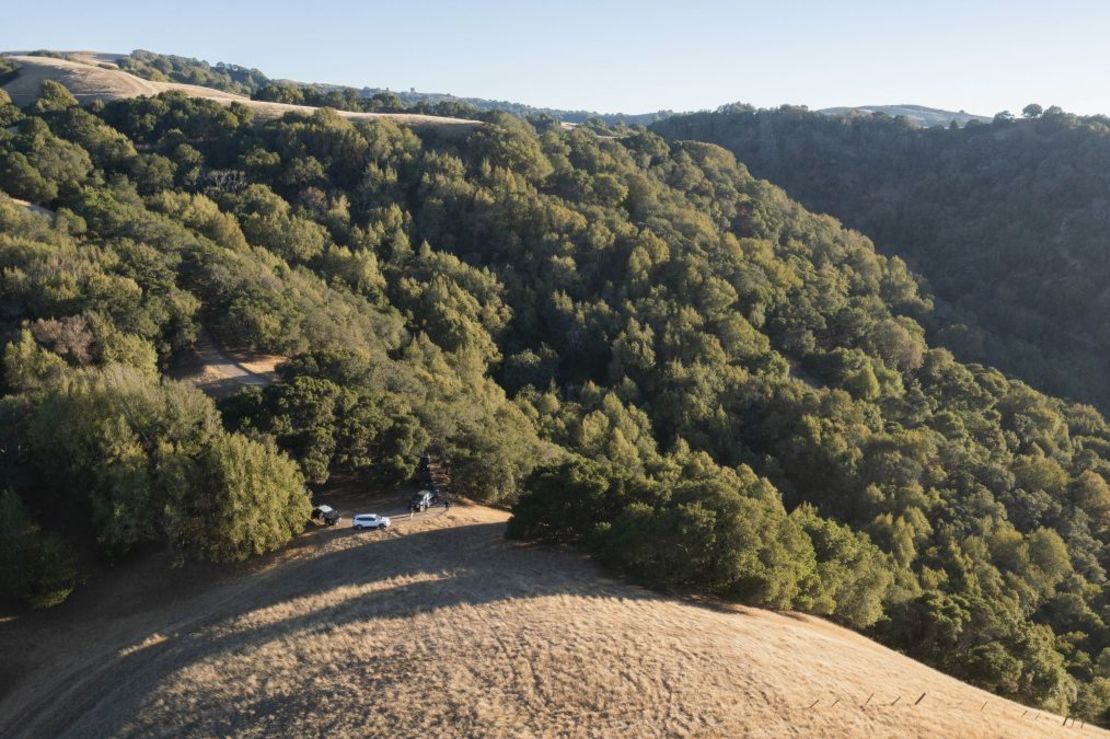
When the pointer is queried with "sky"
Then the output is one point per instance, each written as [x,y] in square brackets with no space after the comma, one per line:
[624,55]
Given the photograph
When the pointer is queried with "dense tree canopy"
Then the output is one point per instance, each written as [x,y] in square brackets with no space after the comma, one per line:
[649,352]
[229,77]
[1007,222]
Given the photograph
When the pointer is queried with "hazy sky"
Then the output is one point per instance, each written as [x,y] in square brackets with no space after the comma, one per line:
[627,56]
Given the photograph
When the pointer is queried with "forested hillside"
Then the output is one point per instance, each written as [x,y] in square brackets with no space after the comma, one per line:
[918,115]
[1008,221]
[646,350]
[255,84]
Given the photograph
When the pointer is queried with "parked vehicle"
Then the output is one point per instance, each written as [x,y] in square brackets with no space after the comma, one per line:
[325,515]
[422,501]
[370,521]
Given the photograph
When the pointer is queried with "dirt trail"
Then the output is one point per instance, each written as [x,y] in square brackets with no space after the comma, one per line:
[89,82]
[440,627]
[220,372]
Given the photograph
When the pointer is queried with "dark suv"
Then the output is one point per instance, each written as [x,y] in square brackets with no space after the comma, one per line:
[422,501]
[325,515]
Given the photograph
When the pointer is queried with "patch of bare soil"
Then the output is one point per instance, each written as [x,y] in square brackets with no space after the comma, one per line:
[221,372]
[439,627]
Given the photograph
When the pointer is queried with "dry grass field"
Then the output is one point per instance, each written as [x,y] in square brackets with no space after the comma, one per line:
[440,627]
[97,79]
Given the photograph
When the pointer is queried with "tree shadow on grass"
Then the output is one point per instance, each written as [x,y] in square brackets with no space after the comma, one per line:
[420,572]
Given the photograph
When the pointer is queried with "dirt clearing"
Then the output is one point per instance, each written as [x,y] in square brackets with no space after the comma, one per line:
[440,627]
[222,372]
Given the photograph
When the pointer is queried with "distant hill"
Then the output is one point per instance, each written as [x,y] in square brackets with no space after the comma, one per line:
[90,77]
[526,111]
[919,114]
[253,83]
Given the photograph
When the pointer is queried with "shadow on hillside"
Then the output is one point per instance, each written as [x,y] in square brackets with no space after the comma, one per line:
[438,569]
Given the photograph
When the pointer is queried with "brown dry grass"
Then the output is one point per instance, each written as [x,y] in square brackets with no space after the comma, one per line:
[88,82]
[441,628]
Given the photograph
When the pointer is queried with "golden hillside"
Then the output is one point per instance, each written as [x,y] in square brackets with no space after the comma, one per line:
[441,627]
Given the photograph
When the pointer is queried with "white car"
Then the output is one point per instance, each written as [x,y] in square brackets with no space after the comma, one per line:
[370,521]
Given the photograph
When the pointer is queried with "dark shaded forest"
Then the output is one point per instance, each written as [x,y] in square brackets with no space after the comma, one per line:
[1008,221]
